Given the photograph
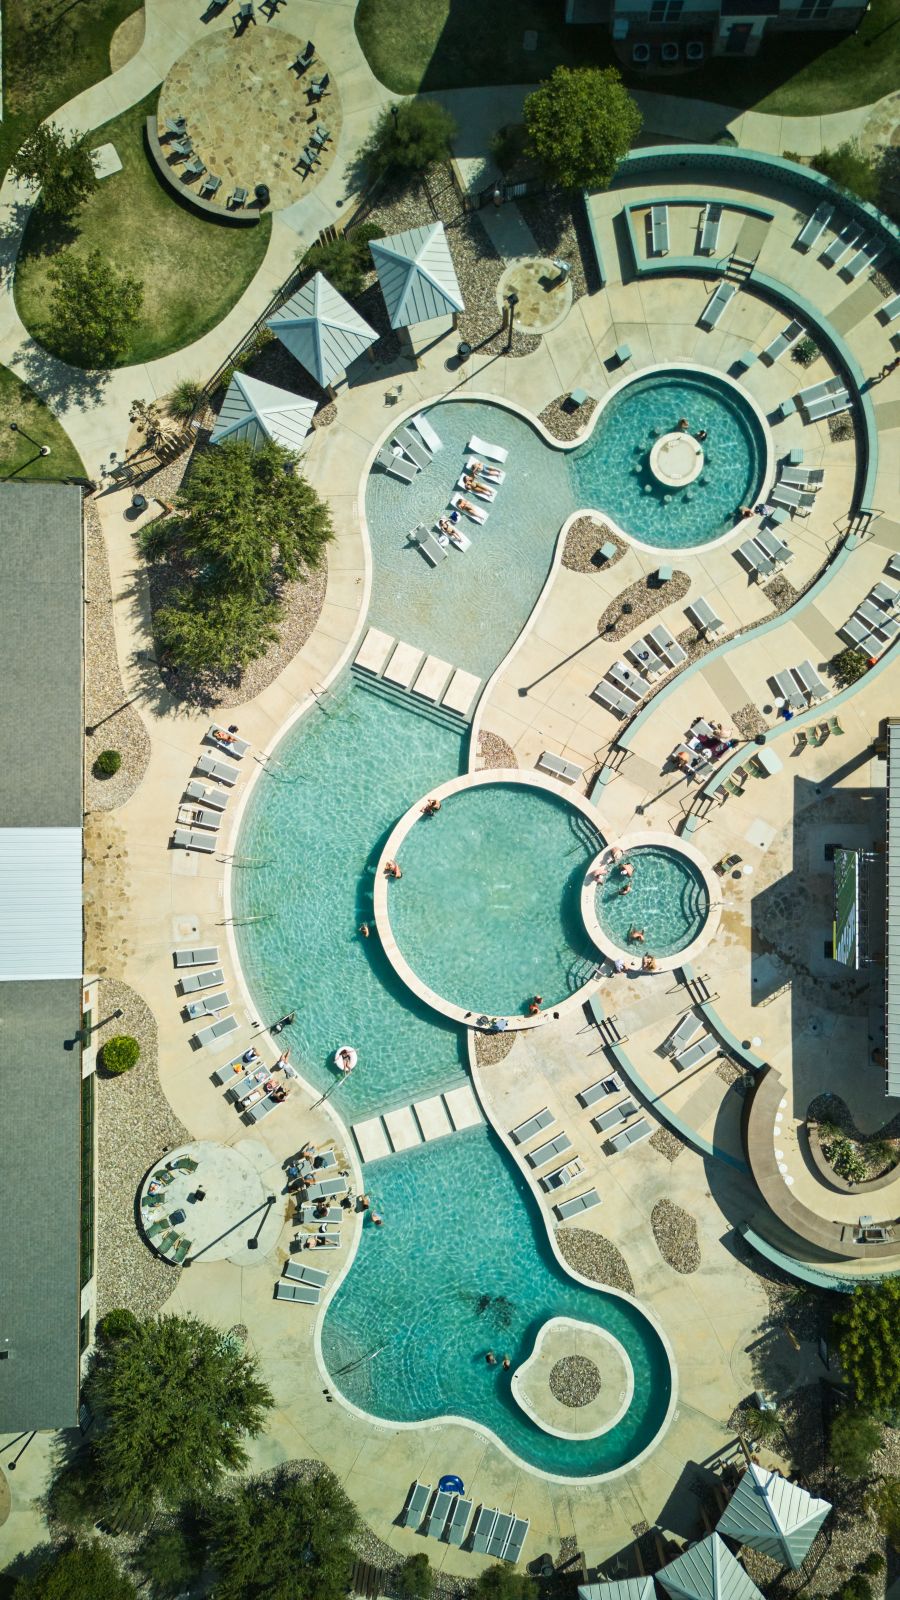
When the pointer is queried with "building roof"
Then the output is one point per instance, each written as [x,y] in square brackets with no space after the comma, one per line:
[41,619]
[892,915]
[620,1589]
[417,275]
[775,1516]
[708,1571]
[257,411]
[321,330]
[40,930]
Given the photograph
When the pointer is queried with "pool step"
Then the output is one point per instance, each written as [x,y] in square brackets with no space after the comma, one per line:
[420,1123]
[407,667]
[389,691]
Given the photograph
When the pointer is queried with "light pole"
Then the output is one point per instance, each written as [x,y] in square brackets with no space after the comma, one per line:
[44,448]
[512,301]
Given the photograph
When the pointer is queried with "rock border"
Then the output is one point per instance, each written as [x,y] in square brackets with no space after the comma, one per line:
[675,1232]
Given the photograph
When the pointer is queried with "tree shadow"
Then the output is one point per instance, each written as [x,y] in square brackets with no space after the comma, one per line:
[61,386]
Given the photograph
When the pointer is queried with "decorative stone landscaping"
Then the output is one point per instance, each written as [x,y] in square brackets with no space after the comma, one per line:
[575,1381]
[595,1258]
[644,600]
[583,541]
[675,1232]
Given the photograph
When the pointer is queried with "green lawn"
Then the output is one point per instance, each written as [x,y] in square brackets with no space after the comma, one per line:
[454,44]
[52,49]
[20,404]
[193,271]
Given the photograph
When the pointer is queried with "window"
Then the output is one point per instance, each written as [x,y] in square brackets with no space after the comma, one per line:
[813,10]
[666,10]
[87,1179]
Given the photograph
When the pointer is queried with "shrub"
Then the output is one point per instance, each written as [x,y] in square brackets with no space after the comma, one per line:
[849,666]
[412,135]
[854,1438]
[856,1587]
[805,351]
[845,1160]
[184,399]
[508,145]
[116,1323]
[75,1571]
[120,1054]
[504,1583]
[344,260]
[580,123]
[848,167]
[414,1577]
[873,1564]
[884,1502]
[866,1328]
[172,1560]
[107,764]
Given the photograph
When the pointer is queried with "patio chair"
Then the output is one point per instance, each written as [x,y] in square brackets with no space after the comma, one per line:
[202,980]
[210,185]
[220,771]
[182,149]
[304,162]
[536,1124]
[436,1521]
[834,726]
[246,13]
[180,1251]
[305,59]
[321,136]
[237,198]
[319,87]
[194,169]
[165,1244]
[175,126]
[156,1228]
[397,466]
[484,1527]
[186,1164]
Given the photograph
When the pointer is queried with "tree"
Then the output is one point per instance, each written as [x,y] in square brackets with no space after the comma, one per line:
[93,309]
[62,166]
[173,1401]
[412,135]
[172,1559]
[344,260]
[848,667]
[282,1538]
[884,1502]
[120,1054]
[504,1583]
[414,1580]
[868,1346]
[203,632]
[580,123]
[854,1437]
[850,169]
[76,1571]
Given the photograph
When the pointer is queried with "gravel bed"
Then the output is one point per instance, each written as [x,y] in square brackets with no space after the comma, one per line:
[734,1076]
[119,726]
[564,421]
[830,1108]
[135,1126]
[675,1232]
[749,721]
[595,1258]
[781,594]
[667,1144]
[493,1047]
[495,752]
[583,541]
[575,1381]
[645,600]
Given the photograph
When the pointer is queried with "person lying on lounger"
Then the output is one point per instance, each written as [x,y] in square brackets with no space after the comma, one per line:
[485,470]
[468,508]
[474,487]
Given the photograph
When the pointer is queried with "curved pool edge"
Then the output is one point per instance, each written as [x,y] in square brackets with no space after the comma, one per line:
[676,846]
[543,1333]
[380,894]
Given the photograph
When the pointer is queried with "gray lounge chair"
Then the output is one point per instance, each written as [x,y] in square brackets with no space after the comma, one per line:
[809,681]
[599,1091]
[659,230]
[202,980]
[873,615]
[814,227]
[325,1189]
[702,615]
[890,310]
[696,1052]
[416,1501]
[855,631]
[200,817]
[232,1073]
[840,244]
[188,839]
[773,547]
[865,257]
[668,647]
[615,1115]
[412,447]
[396,465]
[217,770]
[709,232]
[261,1108]
[457,1522]
[720,298]
[789,691]
[518,1533]
[207,796]
[500,1534]
[301,1293]
[217,1030]
[299,1272]
[893,566]
[760,565]
[683,1034]
[208,1005]
[201,957]
[436,1520]
[783,341]
[639,1130]
[431,549]
[536,1124]
[886,596]
[231,747]
[613,699]
[561,1176]
[484,1527]
[578,1202]
[556,1146]
[647,657]
[629,679]
[802,477]
[558,767]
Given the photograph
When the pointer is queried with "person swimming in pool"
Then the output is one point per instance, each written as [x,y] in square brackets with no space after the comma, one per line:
[636,935]
[627,869]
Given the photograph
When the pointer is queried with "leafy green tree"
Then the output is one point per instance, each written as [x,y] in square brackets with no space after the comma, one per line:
[504,1583]
[282,1538]
[219,633]
[76,1571]
[93,309]
[344,260]
[854,1437]
[868,1346]
[172,1559]
[411,135]
[580,123]
[174,1402]
[62,166]
[414,1580]
[884,1502]
[848,167]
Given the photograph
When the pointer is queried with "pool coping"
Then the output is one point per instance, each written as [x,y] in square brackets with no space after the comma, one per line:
[548,1327]
[481,778]
[677,845]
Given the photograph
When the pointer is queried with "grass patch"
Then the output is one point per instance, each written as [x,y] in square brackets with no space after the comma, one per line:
[20,404]
[192,270]
[455,44]
[51,51]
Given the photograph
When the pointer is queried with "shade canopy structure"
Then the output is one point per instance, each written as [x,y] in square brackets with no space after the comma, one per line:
[417,276]
[775,1516]
[707,1571]
[620,1589]
[321,330]
[256,411]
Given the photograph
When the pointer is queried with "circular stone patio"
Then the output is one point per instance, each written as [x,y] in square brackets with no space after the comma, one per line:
[544,301]
[247,111]
[240,1215]
[578,1381]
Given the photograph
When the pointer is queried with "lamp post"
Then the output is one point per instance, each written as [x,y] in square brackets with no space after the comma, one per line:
[43,448]
[512,301]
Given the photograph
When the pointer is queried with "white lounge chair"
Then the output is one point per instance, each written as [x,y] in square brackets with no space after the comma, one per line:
[773,547]
[783,341]
[436,1521]
[558,767]
[814,227]
[187,839]
[456,536]
[865,257]
[818,391]
[659,230]
[412,447]
[721,297]
[890,310]
[396,465]
[426,432]
[494,452]
[483,1528]
[577,1202]
[207,796]
[302,1273]
[475,513]
[484,492]
[549,1150]
[500,1534]
[518,1533]
[840,244]
[629,679]
[886,596]
[491,474]
[709,232]
[828,406]
[613,699]
[431,549]
[218,770]
[232,746]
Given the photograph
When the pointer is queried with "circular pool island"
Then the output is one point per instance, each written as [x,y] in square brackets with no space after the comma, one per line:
[650,901]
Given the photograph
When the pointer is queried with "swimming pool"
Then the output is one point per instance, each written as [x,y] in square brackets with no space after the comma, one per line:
[488,911]
[612,469]
[463,1265]
[667,899]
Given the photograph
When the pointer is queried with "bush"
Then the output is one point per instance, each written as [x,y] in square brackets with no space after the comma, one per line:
[866,1329]
[116,1323]
[845,1160]
[884,1502]
[184,398]
[854,1438]
[107,764]
[412,135]
[849,666]
[172,1560]
[850,169]
[805,351]
[856,1588]
[504,1583]
[508,145]
[344,260]
[75,1571]
[120,1054]
[873,1564]
[414,1577]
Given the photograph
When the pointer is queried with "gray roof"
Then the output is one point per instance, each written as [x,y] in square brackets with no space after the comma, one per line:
[775,1516]
[620,1589]
[257,411]
[417,275]
[41,619]
[708,1571]
[892,915]
[321,330]
[40,1162]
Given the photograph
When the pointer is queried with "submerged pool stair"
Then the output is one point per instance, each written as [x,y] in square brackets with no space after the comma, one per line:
[434,1118]
[406,668]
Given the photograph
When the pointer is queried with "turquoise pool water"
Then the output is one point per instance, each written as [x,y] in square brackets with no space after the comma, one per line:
[462,1265]
[611,470]
[668,900]
[488,911]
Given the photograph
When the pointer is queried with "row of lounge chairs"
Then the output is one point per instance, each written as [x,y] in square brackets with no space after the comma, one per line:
[301,1283]
[873,625]
[685,1048]
[624,686]
[710,221]
[800,686]
[199,821]
[764,553]
[409,452]
[493,1533]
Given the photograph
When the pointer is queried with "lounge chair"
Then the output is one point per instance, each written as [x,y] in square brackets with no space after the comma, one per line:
[659,230]
[518,1533]
[668,647]
[416,1501]
[175,126]
[306,159]
[773,547]
[217,770]
[231,1073]
[307,1215]
[866,256]
[495,476]
[873,615]
[613,699]
[695,1053]
[457,1522]
[840,244]
[576,1203]
[168,1241]
[557,1146]
[683,1034]
[855,631]
[818,391]
[483,1528]
[615,1115]
[629,679]
[156,1228]
[199,817]
[890,310]
[241,1088]
[500,1534]
[788,690]
[456,537]
[560,1176]
[721,297]
[232,746]
[494,452]
[205,795]
[801,477]
[217,1030]
[783,341]
[475,513]
[412,446]
[536,1124]
[436,1520]
[558,767]
[709,231]
[809,681]
[430,547]
[396,465]
[885,595]
[599,1091]
[200,957]
[301,1273]
[208,1005]
[426,432]
[182,148]
[485,491]
[828,406]
[639,1130]
[202,980]
[328,1187]
[759,563]
[187,839]
[237,198]
[814,227]
[185,1164]
[261,1108]
[702,615]
[646,656]
[305,1294]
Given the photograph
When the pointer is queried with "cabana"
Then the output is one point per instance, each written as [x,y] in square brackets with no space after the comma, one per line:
[774,1516]
[256,411]
[418,280]
[707,1571]
[322,331]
